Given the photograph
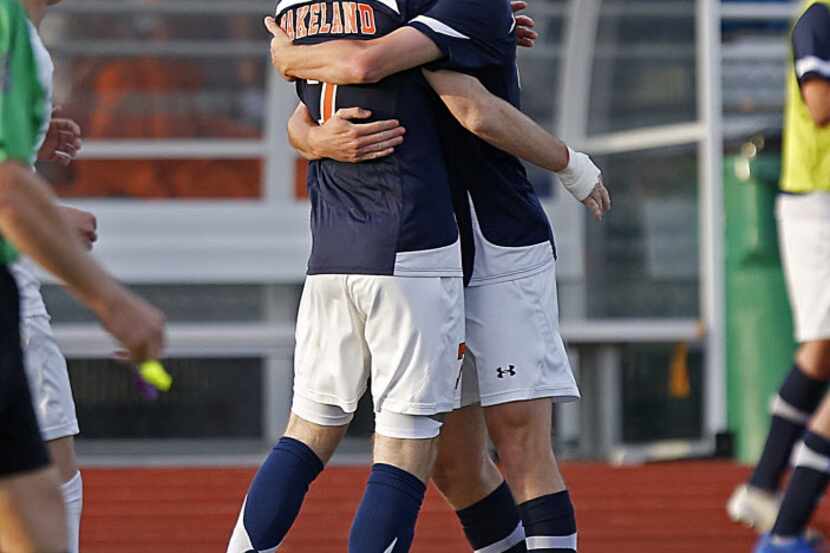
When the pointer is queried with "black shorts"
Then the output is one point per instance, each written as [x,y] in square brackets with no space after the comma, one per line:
[21,446]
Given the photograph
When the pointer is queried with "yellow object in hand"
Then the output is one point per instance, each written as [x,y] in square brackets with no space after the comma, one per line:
[154,374]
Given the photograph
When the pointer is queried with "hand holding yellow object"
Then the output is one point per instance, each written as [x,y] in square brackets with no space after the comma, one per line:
[153,373]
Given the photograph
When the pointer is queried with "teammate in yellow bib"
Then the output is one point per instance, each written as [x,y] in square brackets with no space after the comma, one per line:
[806,166]
[803,214]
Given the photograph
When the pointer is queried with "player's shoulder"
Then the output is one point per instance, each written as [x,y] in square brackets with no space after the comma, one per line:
[816,18]
[811,33]
[11,7]
[12,28]
[11,14]
[480,17]
[413,8]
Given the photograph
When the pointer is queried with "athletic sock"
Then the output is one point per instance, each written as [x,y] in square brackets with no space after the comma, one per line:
[792,408]
[807,485]
[73,499]
[493,524]
[275,497]
[385,520]
[550,523]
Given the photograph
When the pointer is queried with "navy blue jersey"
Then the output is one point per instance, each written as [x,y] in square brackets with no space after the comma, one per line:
[811,43]
[510,229]
[393,216]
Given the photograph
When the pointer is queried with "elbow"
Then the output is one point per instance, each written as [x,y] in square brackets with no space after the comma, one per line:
[365,68]
[478,124]
[478,119]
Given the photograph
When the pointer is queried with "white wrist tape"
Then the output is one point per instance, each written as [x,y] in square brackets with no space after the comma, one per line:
[580,176]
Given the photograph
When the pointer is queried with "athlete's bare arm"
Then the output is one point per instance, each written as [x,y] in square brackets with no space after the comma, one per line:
[31,221]
[345,62]
[499,123]
[342,139]
[477,109]
[816,94]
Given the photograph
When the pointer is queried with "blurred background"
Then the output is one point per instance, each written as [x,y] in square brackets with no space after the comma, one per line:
[201,208]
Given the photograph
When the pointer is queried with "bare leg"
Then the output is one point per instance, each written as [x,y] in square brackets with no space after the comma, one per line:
[32,518]
[521,432]
[62,452]
[814,359]
[464,472]
[417,457]
[322,440]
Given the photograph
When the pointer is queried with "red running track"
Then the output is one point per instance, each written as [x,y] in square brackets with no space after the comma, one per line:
[669,508]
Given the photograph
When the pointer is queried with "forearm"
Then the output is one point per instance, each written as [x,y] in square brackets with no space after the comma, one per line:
[33,223]
[300,127]
[330,62]
[346,62]
[497,121]
[508,129]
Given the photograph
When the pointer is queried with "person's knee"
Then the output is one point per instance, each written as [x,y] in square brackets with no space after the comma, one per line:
[521,434]
[515,426]
[814,359]
[463,479]
[320,427]
[408,442]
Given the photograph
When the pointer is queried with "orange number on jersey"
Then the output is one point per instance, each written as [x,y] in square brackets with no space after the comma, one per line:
[328,101]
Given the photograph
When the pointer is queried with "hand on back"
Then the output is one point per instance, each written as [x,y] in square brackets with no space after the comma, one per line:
[342,139]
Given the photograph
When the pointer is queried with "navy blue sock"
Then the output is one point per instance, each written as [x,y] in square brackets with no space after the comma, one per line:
[277,492]
[550,523]
[385,520]
[798,398]
[494,523]
[807,485]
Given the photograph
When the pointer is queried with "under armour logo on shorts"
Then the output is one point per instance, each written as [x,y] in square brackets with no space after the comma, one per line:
[510,370]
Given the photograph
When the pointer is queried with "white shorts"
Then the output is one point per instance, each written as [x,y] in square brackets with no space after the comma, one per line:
[804,230]
[514,349]
[403,332]
[48,379]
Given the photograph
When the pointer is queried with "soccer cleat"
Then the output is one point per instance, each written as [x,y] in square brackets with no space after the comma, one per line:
[800,545]
[754,507]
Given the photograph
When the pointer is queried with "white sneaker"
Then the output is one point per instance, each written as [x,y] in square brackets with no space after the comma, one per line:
[754,507]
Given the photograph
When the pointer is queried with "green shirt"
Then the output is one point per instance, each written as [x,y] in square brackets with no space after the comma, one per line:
[23,99]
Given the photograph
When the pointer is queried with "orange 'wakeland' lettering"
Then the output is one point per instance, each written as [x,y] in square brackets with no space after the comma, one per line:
[315,18]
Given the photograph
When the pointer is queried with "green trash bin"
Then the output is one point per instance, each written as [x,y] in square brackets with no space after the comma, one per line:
[759,333]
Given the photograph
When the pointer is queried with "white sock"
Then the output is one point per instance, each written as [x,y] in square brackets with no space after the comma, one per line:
[240,541]
[73,498]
